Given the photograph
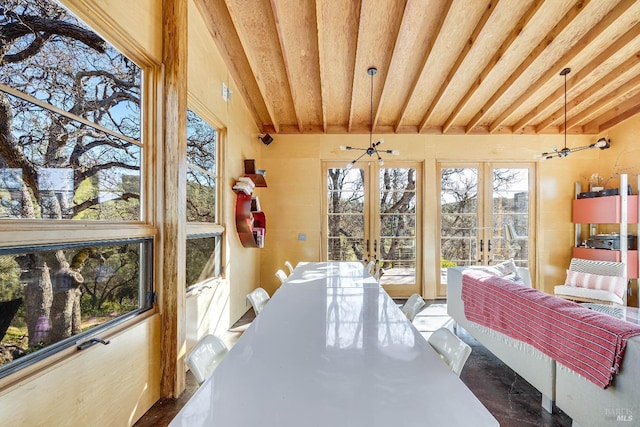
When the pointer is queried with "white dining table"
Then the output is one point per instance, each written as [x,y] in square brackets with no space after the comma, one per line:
[331,348]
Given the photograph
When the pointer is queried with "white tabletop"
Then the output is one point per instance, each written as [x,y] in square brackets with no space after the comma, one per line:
[321,355]
[332,275]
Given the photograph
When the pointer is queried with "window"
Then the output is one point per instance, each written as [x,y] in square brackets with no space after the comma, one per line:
[201,170]
[71,161]
[204,258]
[204,253]
[52,295]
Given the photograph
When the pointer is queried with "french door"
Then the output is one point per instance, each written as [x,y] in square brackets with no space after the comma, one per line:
[486,215]
[371,213]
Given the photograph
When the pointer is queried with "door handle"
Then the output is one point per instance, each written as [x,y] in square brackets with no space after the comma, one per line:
[489,245]
[481,245]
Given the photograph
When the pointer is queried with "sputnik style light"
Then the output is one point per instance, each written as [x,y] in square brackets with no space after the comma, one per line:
[373,148]
[602,143]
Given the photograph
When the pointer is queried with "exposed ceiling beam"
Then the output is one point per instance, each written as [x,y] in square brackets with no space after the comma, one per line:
[423,63]
[530,59]
[495,59]
[456,66]
[591,67]
[566,59]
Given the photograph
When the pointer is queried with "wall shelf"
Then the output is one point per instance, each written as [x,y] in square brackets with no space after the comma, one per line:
[251,224]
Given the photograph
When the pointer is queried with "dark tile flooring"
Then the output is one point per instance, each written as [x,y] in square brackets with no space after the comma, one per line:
[511,400]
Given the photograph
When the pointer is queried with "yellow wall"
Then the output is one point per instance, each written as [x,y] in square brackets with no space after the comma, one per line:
[104,385]
[293,200]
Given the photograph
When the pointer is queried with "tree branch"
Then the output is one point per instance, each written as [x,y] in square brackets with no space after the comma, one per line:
[88,204]
[30,24]
[92,171]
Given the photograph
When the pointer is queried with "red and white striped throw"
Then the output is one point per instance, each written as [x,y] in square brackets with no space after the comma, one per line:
[590,343]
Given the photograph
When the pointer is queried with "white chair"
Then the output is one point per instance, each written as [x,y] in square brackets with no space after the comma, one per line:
[205,356]
[258,299]
[451,349]
[413,305]
[371,267]
[281,275]
[374,270]
[610,276]
[289,266]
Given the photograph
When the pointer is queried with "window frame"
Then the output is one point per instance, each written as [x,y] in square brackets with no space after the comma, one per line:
[200,229]
[29,233]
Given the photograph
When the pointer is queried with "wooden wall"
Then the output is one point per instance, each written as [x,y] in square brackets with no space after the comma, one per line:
[295,191]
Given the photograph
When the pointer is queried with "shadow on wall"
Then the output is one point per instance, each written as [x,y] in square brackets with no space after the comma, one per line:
[207,311]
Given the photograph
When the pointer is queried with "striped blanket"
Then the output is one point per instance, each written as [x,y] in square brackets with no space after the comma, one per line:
[590,343]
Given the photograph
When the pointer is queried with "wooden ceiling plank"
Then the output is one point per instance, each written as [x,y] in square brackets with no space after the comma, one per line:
[564,22]
[216,15]
[287,66]
[604,102]
[589,68]
[386,75]
[321,54]
[629,108]
[590,91]
[359,42]
[491,7]
[495,59]
[253,63]
[571,54]
[425,58]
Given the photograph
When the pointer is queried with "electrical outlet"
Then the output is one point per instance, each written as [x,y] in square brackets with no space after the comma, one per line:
[226,92]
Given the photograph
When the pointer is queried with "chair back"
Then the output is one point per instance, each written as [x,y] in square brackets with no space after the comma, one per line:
[603,268]
[281,275]
[413,305]
[205,356]
[289,266]
[451,349]
[258,299]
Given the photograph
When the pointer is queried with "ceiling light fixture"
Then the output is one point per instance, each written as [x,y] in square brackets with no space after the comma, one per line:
[373,148]
[602,143]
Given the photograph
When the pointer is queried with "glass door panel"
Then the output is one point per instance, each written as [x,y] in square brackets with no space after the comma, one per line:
[346,231]
[459,219]
[510,213]
[372,215]
[397,226]
[485,215]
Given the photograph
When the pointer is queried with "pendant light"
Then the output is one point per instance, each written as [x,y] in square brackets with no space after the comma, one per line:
[373,148]
[602,143]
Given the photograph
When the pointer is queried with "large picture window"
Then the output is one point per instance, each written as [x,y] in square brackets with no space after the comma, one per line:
[69,119]
[70,153]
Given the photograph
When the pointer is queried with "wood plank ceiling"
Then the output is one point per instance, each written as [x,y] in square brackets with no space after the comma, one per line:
[444,66]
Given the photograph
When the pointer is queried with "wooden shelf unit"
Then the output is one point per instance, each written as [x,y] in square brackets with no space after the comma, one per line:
[251,226]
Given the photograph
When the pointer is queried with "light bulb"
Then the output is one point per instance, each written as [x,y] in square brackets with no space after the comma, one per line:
[395,152]
[344,148]
[349,165]
[380,161]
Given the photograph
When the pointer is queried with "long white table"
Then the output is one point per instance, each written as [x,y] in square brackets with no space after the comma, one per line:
[322,354]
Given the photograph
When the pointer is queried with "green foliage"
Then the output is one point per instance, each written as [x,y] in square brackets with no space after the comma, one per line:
[446,264]
[10,287]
